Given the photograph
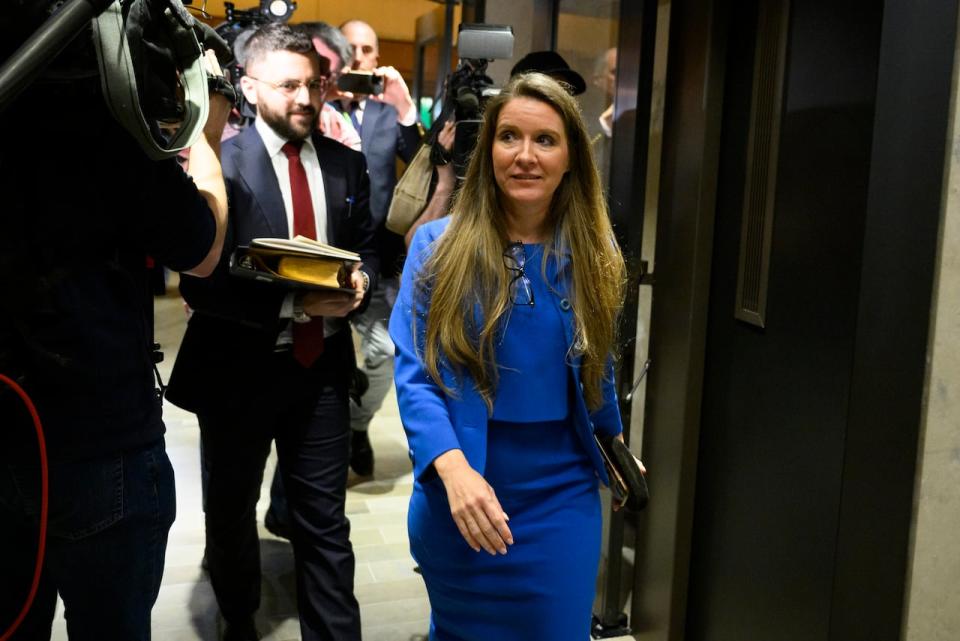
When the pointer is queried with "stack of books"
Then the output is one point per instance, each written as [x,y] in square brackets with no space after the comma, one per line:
[297,263]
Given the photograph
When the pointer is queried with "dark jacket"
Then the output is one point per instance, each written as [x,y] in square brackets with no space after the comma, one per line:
[383,140]
[235,322]
[83,208]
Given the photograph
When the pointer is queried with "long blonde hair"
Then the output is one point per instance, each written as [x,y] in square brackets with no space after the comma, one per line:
[465,277]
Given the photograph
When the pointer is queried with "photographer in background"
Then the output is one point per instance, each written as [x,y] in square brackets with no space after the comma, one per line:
[83,208]
[331,44]
[446,182]
[388,128]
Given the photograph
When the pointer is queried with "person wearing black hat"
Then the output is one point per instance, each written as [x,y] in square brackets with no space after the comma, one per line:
[551,64]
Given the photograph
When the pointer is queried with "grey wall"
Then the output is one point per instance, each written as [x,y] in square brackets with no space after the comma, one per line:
[933,601]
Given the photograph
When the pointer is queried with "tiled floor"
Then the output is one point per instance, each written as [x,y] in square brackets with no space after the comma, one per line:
[392,598]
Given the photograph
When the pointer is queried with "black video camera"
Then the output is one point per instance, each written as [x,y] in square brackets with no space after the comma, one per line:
[237,28]
[468,88]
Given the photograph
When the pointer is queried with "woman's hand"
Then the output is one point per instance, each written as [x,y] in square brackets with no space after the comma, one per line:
[643,470]
[473,504]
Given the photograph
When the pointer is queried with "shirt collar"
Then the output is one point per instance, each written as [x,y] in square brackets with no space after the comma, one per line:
[343,106]
[273,141]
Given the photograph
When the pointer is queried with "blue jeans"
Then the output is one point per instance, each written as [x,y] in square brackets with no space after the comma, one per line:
[106,539]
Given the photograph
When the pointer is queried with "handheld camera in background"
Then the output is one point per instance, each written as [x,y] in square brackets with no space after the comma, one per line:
[468,88]
[236,29]
[362,83]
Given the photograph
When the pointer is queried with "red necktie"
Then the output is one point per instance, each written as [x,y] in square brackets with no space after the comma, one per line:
[307,337]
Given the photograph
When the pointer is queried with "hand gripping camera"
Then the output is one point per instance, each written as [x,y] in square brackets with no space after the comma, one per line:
[468,88]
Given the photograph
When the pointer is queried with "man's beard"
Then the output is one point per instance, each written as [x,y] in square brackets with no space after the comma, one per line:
[284,127]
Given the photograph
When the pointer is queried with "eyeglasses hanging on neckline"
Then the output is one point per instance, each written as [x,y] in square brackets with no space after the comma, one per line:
[521,290]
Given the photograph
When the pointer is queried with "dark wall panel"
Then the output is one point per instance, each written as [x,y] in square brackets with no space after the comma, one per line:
[775,404]
[693,95]
[900,248]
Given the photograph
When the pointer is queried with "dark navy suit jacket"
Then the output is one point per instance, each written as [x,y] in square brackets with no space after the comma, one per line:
[383,140]
[436,422]
[235,324]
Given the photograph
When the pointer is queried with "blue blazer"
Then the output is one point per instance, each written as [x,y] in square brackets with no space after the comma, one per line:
[435,422]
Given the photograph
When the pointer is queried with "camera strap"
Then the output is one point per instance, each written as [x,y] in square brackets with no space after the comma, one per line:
[119,81]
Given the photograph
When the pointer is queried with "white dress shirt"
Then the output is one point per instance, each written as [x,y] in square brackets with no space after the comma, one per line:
[308,158]
[281,167]
[408,118]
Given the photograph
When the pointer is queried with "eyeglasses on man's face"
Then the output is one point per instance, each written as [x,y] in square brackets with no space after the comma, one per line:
[515,258]
[290,88]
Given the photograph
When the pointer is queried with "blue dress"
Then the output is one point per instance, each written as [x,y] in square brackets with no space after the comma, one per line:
[543,588]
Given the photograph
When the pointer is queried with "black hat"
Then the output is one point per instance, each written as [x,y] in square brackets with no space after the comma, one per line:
[553,65]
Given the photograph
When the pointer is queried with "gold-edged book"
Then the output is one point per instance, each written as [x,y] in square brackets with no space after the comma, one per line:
[298,263]
[311,270]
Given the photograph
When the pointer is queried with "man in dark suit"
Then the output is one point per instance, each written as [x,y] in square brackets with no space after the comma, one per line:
[259,364]
[388,130]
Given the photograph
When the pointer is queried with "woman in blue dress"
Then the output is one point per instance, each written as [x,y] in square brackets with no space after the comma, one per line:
[504,329]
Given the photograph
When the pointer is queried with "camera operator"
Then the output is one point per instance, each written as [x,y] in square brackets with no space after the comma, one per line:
[83,208]
[446,182]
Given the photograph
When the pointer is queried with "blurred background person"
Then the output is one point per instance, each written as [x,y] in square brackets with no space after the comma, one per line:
[504,327]
[446,182]
[551,64]
[331,44]
[389,130]
[605,78]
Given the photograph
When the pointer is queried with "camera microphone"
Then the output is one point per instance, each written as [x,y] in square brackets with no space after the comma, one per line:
[468,105]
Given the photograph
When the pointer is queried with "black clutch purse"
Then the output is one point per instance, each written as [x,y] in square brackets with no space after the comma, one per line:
[627,484]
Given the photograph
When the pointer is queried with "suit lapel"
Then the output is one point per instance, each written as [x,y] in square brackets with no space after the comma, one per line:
[372,112]
[334,189]
[257,171]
